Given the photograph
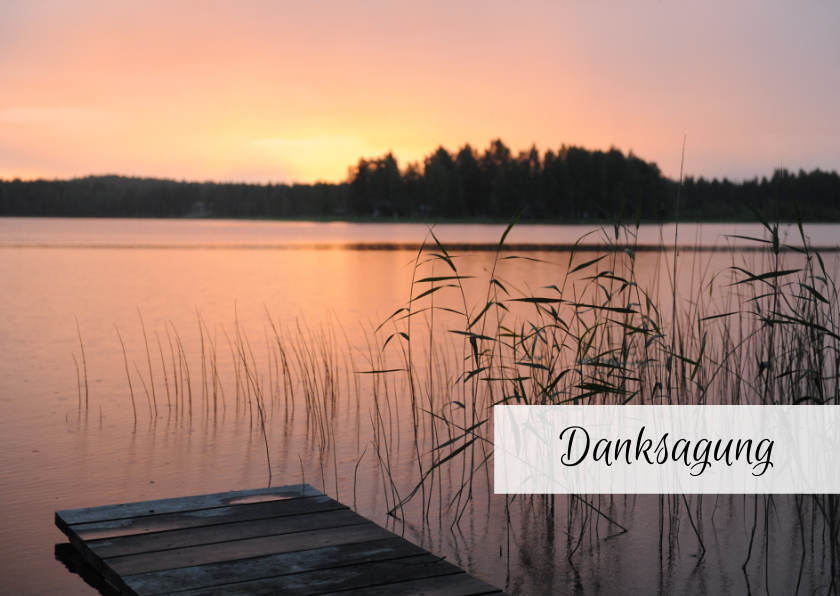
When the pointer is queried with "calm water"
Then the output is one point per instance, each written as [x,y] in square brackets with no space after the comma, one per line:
[62,449]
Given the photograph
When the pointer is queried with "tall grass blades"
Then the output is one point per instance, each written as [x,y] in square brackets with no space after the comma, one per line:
[406,415]
[764,330]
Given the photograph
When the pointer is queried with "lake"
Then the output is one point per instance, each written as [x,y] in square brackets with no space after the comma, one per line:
[138,359]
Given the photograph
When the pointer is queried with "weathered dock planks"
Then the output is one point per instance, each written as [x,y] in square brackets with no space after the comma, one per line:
[287,540]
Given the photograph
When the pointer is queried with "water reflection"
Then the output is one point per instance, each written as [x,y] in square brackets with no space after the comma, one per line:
[248,367]
[69,556]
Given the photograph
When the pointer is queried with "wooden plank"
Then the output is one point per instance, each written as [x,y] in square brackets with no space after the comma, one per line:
[290,540]
[143,508]
[461,584]
[242,549]
[203,517]
[174,539]
[380,573]
[203,576]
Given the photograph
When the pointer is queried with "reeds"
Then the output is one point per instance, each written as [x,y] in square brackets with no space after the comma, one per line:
[596,335]
[304,364]
[600,329]
[84,366]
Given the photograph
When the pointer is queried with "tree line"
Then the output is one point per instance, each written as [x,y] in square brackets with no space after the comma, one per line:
[570,184]
[119,196]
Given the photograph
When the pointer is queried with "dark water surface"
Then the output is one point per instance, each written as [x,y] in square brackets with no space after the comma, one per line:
[64,445]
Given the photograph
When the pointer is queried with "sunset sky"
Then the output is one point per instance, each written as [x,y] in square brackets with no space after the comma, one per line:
[269,91]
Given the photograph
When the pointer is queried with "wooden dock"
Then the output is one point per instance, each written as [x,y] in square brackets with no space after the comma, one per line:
[287,540]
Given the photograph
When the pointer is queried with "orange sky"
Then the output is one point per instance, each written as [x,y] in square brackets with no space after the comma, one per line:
[272,91]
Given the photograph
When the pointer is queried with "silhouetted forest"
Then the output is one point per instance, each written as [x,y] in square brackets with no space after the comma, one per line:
[570,184]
